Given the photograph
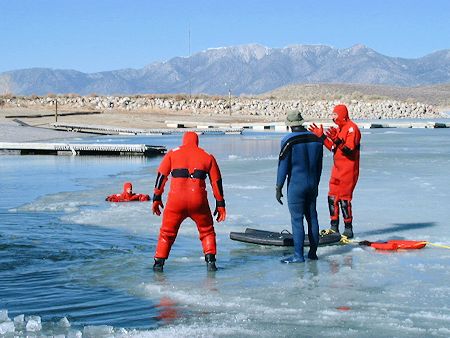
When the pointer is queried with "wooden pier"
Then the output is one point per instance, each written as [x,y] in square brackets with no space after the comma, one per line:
[81,149]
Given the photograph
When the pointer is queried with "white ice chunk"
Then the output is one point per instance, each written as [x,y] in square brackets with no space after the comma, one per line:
[121,333]
[74,334]
[19,320]
[64,322]
[6,327]
[4,316]
[98,331]
[34,324]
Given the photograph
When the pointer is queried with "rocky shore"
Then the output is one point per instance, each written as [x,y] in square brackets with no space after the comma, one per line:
[259,108]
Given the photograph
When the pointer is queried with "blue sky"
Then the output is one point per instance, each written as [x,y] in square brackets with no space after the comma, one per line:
[99,35]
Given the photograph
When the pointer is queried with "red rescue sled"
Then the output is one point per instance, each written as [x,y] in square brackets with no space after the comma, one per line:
[393,245]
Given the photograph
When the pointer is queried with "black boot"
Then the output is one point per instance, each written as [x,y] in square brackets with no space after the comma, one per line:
[158,266]
[312,255]
[335,226]
[348,232]
[210,260]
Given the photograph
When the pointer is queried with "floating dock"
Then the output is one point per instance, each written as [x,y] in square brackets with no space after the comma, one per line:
[281,127]
[81,149]
[425,124]
[221,128]
[109,130]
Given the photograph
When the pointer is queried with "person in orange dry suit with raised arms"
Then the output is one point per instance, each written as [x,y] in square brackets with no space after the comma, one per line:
[189,166]
[344,142]
[127,195]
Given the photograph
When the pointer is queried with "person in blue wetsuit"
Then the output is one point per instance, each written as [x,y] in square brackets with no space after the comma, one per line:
[300,161]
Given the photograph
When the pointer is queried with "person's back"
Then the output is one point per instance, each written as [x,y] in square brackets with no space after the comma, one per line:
[186,161]
[300,161]
[189,166]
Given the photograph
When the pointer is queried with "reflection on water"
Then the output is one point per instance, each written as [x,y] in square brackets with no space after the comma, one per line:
[345,261]
[167,310]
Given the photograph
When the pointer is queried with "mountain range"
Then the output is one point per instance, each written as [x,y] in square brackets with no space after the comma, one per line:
[246,69]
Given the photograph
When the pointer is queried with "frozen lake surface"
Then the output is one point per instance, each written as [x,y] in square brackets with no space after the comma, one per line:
[72,264]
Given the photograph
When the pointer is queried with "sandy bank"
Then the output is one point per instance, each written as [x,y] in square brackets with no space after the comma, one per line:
[121,118]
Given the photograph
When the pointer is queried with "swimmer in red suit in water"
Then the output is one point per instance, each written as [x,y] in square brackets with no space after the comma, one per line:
[127,195]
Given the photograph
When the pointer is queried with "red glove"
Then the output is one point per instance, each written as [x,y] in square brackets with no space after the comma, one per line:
[332,133]
[155,207]
[318,131]
[221,213]
[143,197]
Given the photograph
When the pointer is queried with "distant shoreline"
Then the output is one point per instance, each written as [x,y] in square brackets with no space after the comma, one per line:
[13,132]
[155,112]
[150,108]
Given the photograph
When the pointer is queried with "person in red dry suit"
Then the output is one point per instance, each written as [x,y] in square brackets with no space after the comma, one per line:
[189,166]
[344,142]
[127,195]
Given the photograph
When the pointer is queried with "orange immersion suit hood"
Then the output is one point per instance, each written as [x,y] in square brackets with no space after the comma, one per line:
[342,112]
[190,138]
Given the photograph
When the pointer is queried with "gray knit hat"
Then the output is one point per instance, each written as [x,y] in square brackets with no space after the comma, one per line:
[294,118]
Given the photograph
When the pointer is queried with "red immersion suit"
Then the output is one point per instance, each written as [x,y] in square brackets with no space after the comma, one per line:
[344,142]
[189,166]
[127,195]
[345,147]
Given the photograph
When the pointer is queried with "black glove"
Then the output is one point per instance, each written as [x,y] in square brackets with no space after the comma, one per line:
[278,194]
[366,243]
